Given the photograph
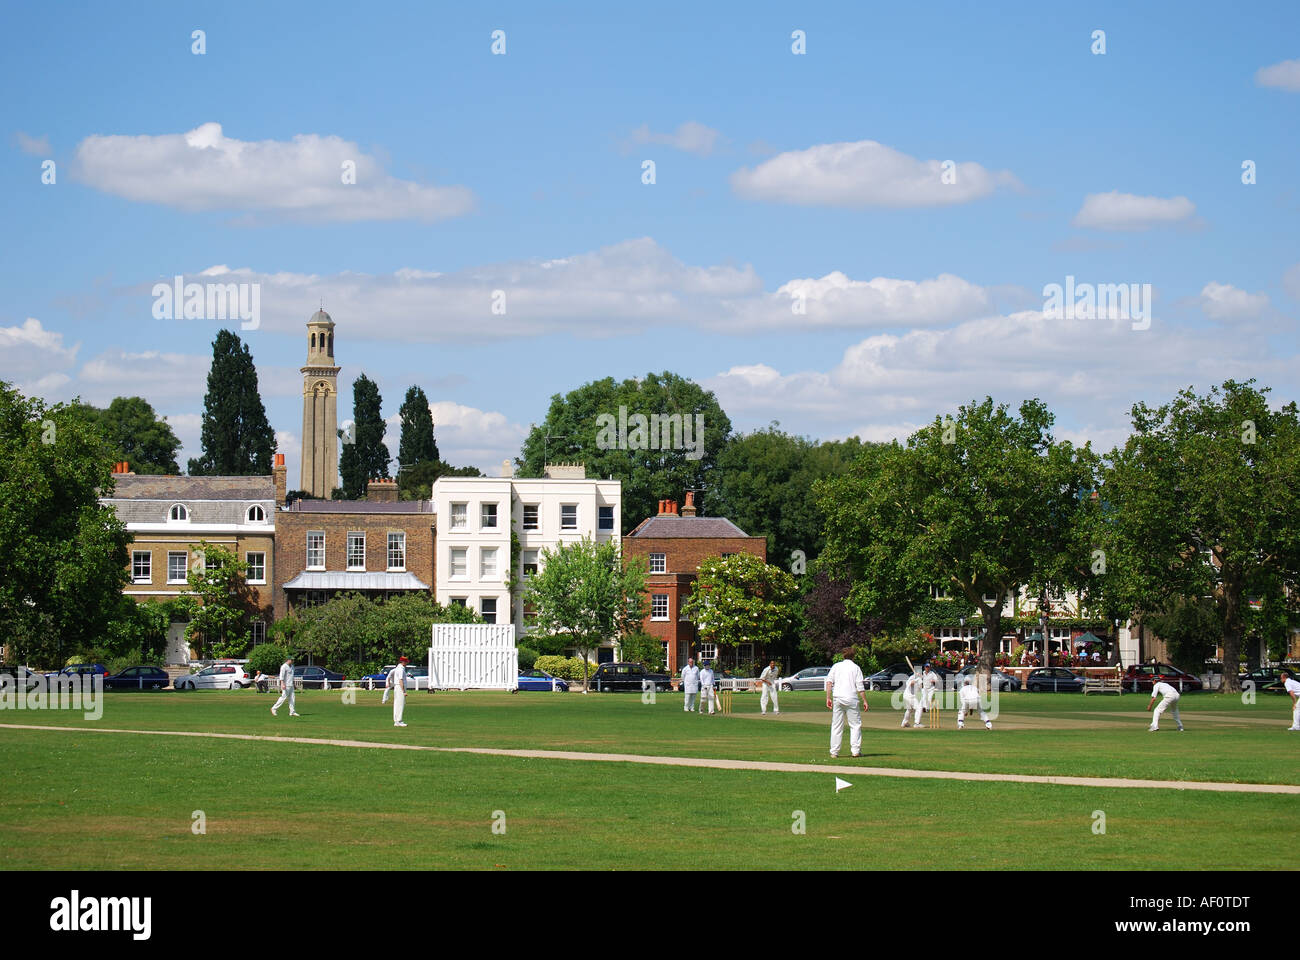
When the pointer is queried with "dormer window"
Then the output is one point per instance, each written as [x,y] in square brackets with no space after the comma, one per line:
[178,512]
[256,514]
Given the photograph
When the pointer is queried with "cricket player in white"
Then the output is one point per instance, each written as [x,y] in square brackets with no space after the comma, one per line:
[691,684]
[912,699]
[397,682]
[1170,695]
[969,702]
[768,679]
[929,683]
[1293,688]
[286,688]
[706,687]
[844,690]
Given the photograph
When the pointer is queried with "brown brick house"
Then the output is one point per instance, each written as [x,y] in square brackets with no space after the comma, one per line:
[672,545]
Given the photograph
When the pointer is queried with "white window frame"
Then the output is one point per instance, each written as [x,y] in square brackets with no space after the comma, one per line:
[355,536]
[662,560]
[525,563]
[185,565]
[147,575]
[659,600]
[398,537]
[482,611]
[464,563]
[568,506]
[484,554]
[178,508]
[249,562]
[483,516]
[708,651]
[460,516]
[321,535]
[536,524]
[258,631]
[600,517]
[259,518]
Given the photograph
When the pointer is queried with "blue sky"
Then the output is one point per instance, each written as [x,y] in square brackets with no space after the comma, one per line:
[778,177]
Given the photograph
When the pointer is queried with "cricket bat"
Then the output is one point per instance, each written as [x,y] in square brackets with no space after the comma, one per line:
[909,664]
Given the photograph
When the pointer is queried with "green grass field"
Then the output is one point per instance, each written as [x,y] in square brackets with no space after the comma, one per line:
[73,800]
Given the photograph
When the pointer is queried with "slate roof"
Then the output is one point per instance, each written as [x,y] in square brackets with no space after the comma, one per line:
[361,506]
[141,487]
[689,528]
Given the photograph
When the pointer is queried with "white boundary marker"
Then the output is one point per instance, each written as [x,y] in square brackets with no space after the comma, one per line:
[716,763]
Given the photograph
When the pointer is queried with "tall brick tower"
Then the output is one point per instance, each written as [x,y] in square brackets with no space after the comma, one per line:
[320,393]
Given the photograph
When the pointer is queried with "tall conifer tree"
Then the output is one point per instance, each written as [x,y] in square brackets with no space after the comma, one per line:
[366,456]
[237,439]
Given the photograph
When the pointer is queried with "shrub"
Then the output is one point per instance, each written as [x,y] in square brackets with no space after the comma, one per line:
[266,657]
[527,658]
[644,649]
[566,668]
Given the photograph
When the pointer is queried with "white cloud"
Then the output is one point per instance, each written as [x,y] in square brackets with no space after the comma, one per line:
[468,436]
[1284,75]
[34,359]
[33,146]
[690,137]
[206,170]
[863,174]
[1126,211]
[1291,282]
[1222,301]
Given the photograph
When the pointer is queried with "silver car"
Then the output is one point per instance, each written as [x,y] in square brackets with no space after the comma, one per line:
[809,678]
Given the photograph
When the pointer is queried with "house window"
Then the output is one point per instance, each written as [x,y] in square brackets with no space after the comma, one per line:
[458,601]
[256,514]
[459,564]
[530,516]
[459,516]
[940,593]
[488,609]
[356,551]
[142,566]
[725,555]
[744,651]
[259,632]
[488,516]
[397,551]
[530,613]
[569,516]
[178,512]
[990,598]
[315,549]
[606,521]
[659,606]
[530,563]
[658,563]
[256,567]
[487,563]
[708,651]
[176,563]
[209,565]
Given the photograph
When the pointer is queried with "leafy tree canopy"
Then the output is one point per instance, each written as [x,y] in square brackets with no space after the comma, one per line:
[237,439]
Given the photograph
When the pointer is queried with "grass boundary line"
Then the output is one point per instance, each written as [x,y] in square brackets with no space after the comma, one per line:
[771,766]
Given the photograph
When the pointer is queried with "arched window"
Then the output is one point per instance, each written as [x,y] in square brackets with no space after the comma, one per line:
[331,349]
[178,512]
[256,514]
[313,340]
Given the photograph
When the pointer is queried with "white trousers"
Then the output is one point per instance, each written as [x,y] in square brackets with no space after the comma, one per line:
[970,706]
[769,691]
[710,697]
[285,694]
[1163,705]
[1295,716]
[852,711]
[692,700]
[911,705]
[399,703]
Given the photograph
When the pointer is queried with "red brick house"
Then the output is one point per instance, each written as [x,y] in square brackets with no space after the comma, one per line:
[672,545]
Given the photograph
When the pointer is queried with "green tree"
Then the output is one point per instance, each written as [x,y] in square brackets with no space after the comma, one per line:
[638,647]
[1190,628]
[141,626]
[366,456]
[219,603]
[64,554]
[139,436]
[417,444]
[236,437]
[740,599]
[417,483]
[583,426]
[977,505]
[584,594]
[764,483]
[1205,499]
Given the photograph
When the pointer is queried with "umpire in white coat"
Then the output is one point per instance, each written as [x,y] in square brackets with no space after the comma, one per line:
[397,681]
[691,683]
[286,688]
[768,680]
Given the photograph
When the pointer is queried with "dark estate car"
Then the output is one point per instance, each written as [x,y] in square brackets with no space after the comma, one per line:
[627,677]
[1003,682]
[1143,676]
[138,678]
[1266,680]
[21,677]
[1054,679]
[890,678]
[81,670]
[315,678]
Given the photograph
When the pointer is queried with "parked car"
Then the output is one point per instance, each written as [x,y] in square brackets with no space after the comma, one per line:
[417,677]
[1054,679]
[22,678]
[219,676]
[315,678]
[1003,682]
[809,678]
[541,680]
[1266,680]
[627,677]
[81,670]
[1143,676]
[138,678]
[890,678]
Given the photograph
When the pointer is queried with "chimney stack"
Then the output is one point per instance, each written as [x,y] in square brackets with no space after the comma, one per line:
[122,468]
[689,509]
[280,475]
[507,468]
[381,490]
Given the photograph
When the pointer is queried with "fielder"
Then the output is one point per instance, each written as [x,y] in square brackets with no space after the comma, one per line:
[286,688]
[691,684]
[844,690]
[397,683]
[706,688]
[768,680]
[1293,688]
[912,699]
[1170,695]
[969,702]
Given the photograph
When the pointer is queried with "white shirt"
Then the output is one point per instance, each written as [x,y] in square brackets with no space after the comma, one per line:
[770,674]
[1162,689]
[706,678]
[912,687]
[286,676]
[691,679]
[1292,685]
[845,680]
[929,680]
[397,678]
[969,693]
